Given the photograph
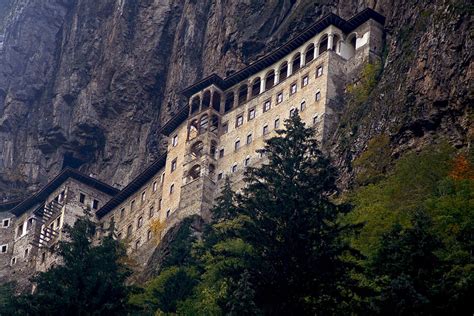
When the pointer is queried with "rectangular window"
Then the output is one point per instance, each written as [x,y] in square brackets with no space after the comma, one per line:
[3,248]
[219,176]
[155,186]
[132,205]
[162,177]
[58,221]
[174,164]
[168,212]
[95,204]
[251,114]
[292,112]
[266,106]
[143,196]
[234,168]
[239,120]
[305,81]
[319,71]
[265,130]
[225,128]
[280,97]
[277,123]
[160,202]
[318,96]
[221,153]
[315,119]
[174,140]
[249,138]
[246,161]
[122,213]
[13,261]
[237,144]
[6,223]
[151,212]
[172,189]
[82,198]
[303,106]
[293,89]
[140,222]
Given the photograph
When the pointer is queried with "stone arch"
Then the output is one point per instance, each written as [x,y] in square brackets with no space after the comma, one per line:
[193,129]
[296,62]
[206,99]
[214,123]
[309,53]
[323,44]
[283,71]
[269,79]
[197,149]
[203,123]
[243,93]
[229,101]
[216,101]
[256,87]
[196,101]
[350,45]
[194,172]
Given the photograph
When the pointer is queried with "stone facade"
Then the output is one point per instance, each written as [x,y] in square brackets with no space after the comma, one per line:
[214,136]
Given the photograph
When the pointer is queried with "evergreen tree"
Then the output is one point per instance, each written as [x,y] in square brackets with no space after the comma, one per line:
[89,281]
[408,271]
[301,263]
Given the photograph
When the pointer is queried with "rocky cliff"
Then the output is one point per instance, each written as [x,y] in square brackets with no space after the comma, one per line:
[87,83]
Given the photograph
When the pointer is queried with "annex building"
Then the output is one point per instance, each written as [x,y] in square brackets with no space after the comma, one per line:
[216,134]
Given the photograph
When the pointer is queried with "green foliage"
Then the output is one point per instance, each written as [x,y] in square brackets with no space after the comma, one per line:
[442,188]
[373,162]
[394,199]
[357,95]
[90,280]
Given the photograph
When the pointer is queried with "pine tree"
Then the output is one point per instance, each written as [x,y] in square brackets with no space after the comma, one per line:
[89,281]
[301,262]
[408,271]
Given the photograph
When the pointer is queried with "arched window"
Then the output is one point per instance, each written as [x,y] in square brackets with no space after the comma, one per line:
[243,94]
[195,104]
[193,129]
[206,99]
[203,123]
[256,87]
[216,101]
[296,62]
[229,102]
[309,55]
[350,45]
[270,79]
[196,149]
[323,44]
[194,172]
[283,71]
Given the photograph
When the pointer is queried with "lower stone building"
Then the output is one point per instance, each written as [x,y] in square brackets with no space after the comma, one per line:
[216,134]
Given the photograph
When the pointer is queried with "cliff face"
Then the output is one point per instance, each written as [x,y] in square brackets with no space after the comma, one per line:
[88,83]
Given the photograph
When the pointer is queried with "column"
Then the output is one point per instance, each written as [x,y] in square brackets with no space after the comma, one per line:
[221,109]
[262,84]
[277,77]
[302,60]
[330,41]
[316,50]
[249,91]
[290,69]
